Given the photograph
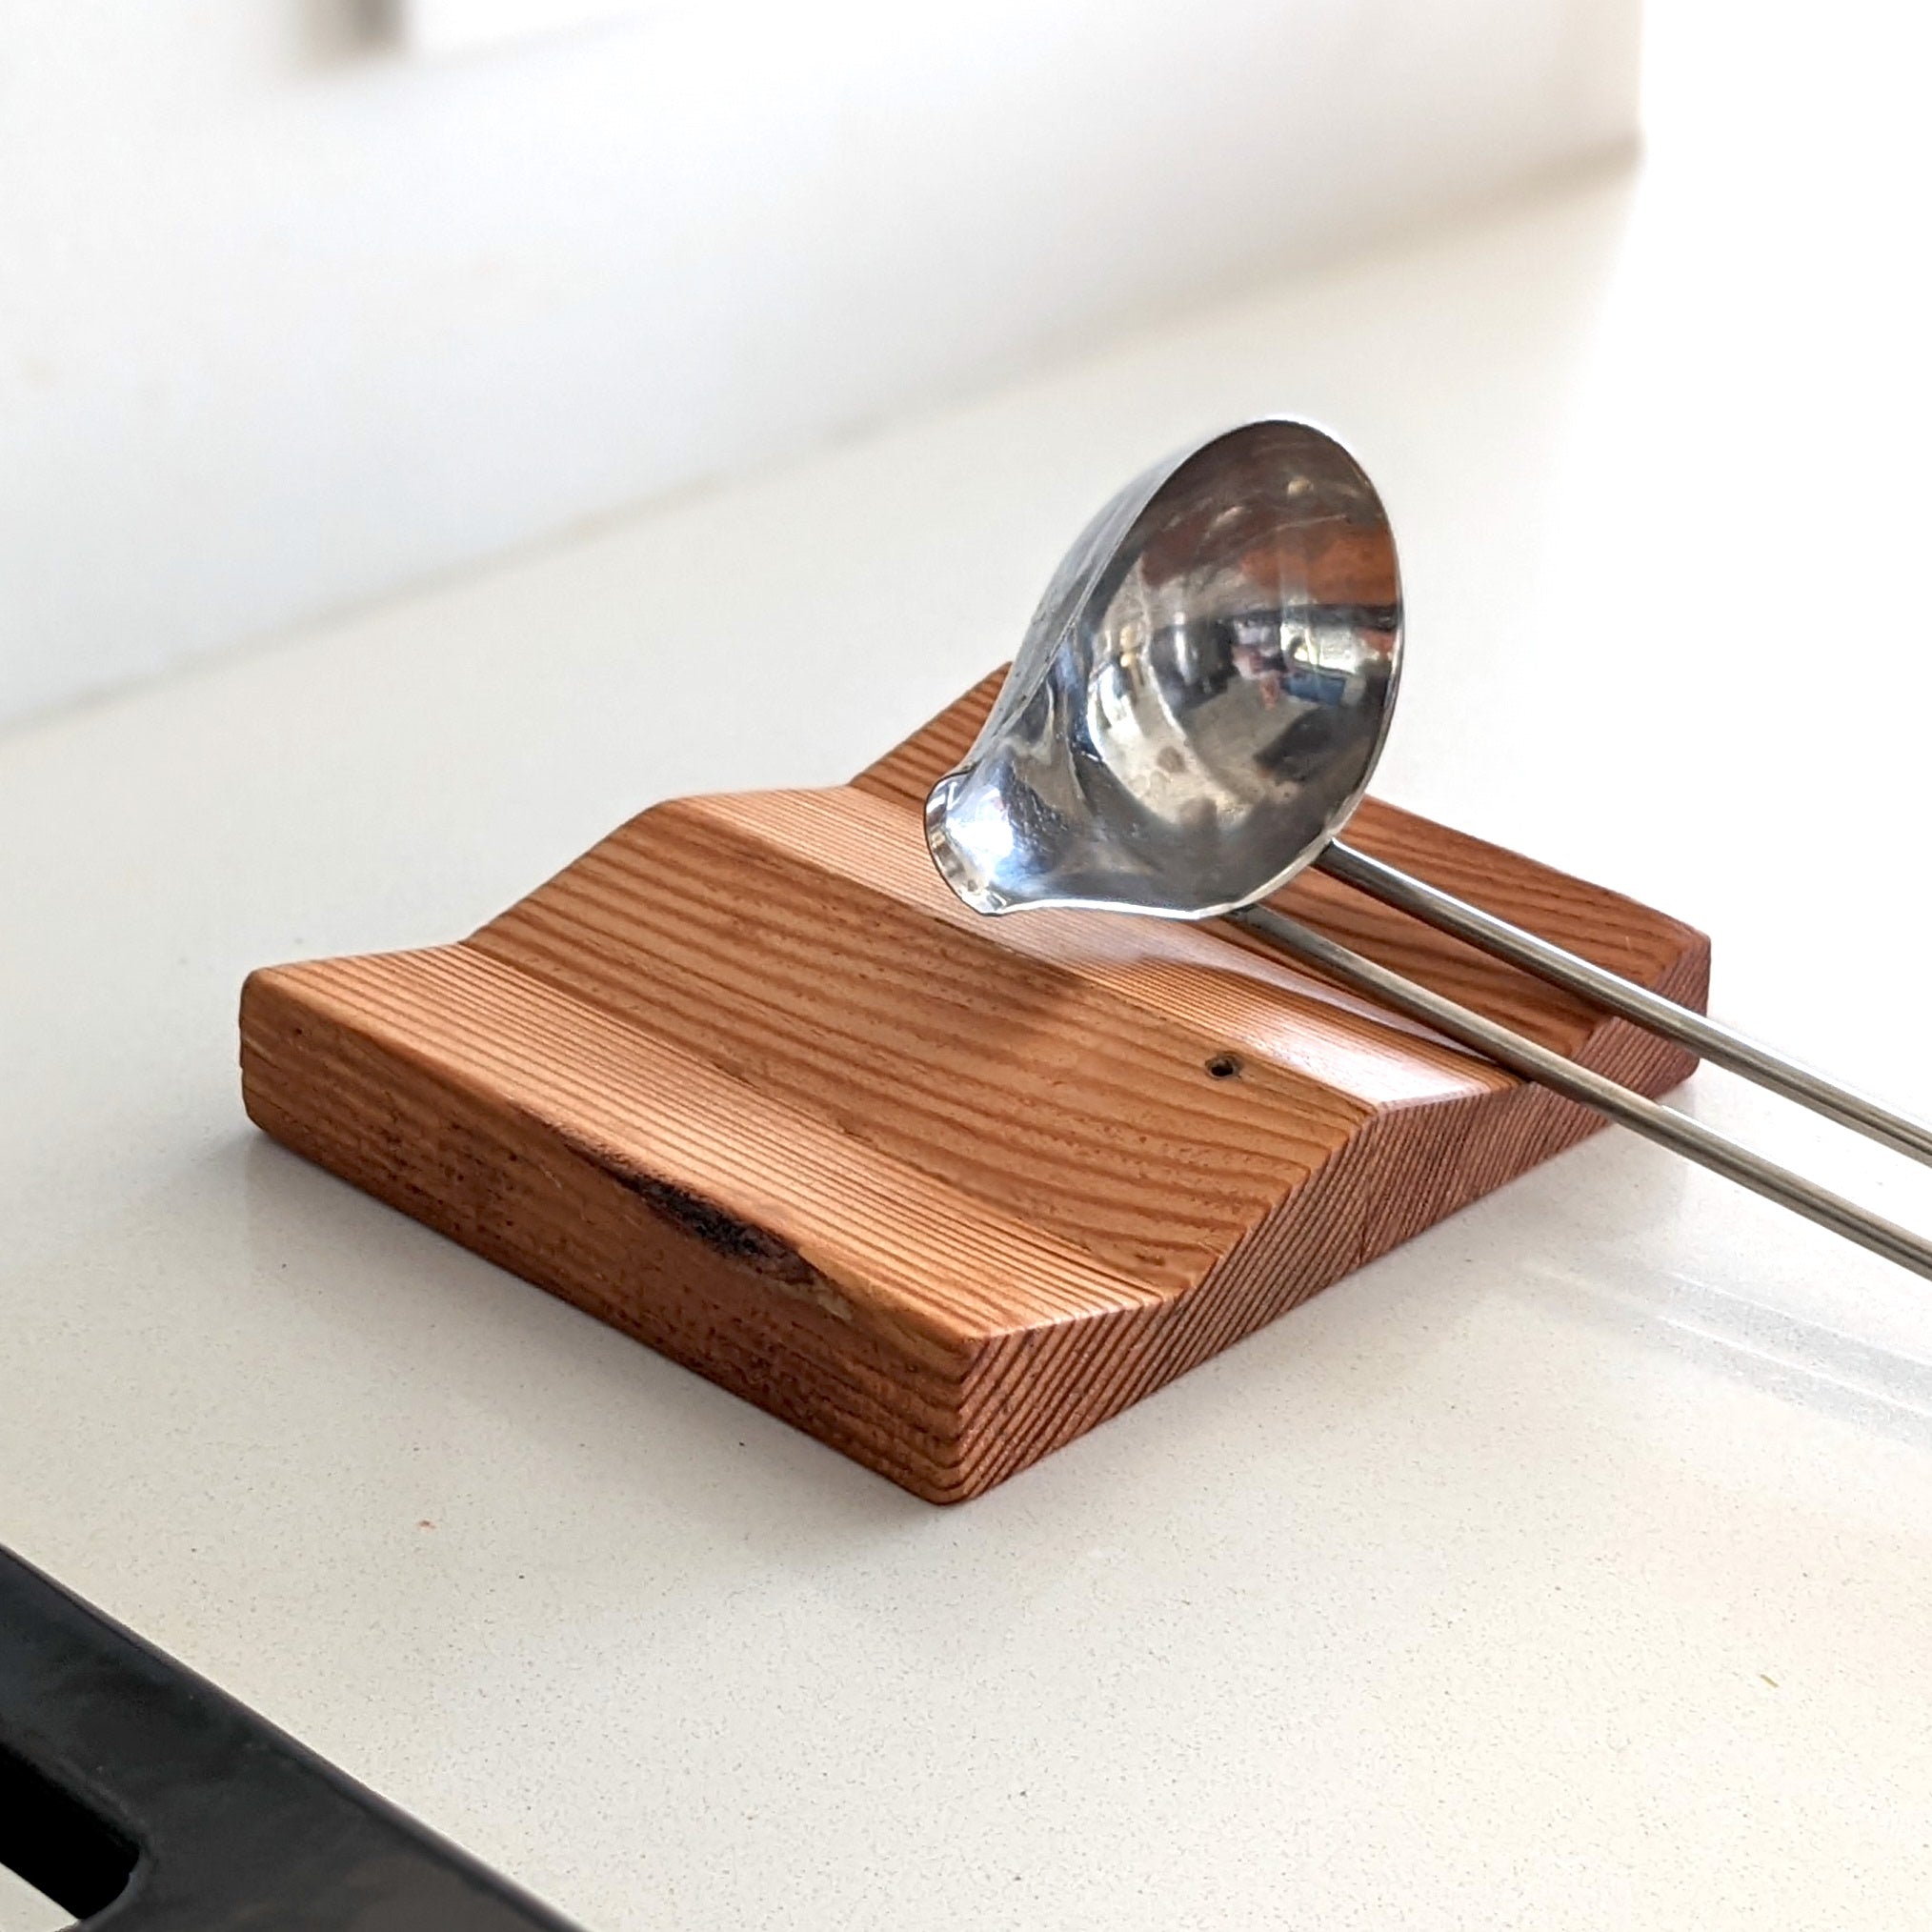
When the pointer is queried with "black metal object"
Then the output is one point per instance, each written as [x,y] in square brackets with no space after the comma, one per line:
[141,1799]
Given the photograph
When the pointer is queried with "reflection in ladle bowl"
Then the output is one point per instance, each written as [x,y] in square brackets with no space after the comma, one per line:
[1201,695]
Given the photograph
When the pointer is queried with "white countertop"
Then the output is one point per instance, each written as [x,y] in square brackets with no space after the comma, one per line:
[1570,1566]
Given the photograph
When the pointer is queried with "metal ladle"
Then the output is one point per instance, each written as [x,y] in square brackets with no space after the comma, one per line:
[1193,713]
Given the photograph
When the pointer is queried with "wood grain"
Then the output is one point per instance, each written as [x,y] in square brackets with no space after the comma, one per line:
[749,1083]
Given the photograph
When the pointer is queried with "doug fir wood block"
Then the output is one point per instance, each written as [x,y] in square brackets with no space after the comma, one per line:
[748,1082]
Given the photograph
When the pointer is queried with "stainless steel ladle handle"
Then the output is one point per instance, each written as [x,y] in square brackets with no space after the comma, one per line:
[1510,1049]
[1707,1038]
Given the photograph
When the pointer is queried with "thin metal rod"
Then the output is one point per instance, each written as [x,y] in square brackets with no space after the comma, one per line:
[1678,1131]
[1709,1039]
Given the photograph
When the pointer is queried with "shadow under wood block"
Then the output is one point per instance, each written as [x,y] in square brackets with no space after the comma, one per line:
[749,1083]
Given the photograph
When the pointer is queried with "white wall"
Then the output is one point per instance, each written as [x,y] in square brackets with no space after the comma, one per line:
[289,318]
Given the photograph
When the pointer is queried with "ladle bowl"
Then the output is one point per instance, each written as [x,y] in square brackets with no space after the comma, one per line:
[1200,698]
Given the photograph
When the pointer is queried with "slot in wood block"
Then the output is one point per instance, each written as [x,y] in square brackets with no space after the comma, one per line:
[748,1082]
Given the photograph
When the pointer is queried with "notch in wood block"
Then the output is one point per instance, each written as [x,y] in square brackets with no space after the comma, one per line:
[749,1083]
